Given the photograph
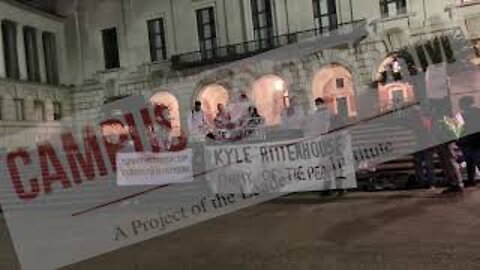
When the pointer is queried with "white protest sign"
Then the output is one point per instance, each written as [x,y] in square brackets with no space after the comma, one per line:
[154,168]
[322,163]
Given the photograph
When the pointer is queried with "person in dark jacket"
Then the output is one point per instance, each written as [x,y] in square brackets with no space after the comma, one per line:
[424,162]
[470,142]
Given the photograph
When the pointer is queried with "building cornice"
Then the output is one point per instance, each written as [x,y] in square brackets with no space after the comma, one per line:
[34,10]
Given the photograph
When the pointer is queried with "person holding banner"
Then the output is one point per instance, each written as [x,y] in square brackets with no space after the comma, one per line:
[293,115]
[223,122]
[254,124]
[318,122]
[240,115]
[239,109]
[320,125]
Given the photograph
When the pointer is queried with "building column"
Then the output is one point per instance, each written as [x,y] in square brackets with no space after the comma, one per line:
[8,108]
[22,59]
[48,103]
[3,72]
[29,109]
[41,56]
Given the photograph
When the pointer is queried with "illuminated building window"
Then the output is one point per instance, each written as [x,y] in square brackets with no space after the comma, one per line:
[269,95]
[334,84]
[173,109]
[210,96]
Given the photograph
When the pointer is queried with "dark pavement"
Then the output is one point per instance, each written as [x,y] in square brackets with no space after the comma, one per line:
[385,230]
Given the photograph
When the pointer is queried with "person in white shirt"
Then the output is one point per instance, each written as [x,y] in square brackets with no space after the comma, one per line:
[396,69]
[239,112]
[238,109]
[197,124]
[223,123]
[318,122]
[293,116]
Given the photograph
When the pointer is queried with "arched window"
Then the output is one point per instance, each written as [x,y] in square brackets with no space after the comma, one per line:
[169,101]
[334,84]
[210,96]
[393,88]
[269,95]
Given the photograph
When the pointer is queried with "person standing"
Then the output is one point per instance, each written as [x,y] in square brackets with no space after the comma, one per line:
[238,109]
[396,69]
[446,152]
[254,124]
[239,113]
[197,124]
[321,123]
[470,144]
[293,115]
[223,122]
[424,161]
[450,167]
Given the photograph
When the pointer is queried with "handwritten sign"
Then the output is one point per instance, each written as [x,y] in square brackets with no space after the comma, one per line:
[322,163]
[138,168]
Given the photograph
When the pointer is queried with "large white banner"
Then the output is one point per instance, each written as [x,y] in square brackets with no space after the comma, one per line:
[322,163]
[58,215]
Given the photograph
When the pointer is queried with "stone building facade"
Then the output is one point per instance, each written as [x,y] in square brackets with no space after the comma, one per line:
[180,51]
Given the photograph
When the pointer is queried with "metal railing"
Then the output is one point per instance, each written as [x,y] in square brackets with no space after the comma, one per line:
[247,49]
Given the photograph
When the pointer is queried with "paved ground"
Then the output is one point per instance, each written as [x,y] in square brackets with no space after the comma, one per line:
[394,230]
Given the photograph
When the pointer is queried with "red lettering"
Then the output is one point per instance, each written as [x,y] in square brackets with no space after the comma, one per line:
[114,147]
[159,111]
[15,175]
[86,162]
[47,155]
[181,141]
[149,129]
[132,128]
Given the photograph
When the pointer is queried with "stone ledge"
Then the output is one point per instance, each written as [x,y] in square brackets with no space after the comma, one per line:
[30,124]
[7,81]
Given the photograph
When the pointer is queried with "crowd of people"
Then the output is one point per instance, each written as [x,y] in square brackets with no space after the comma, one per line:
[435,138]
[241,119]
[442,137]
[233,122]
